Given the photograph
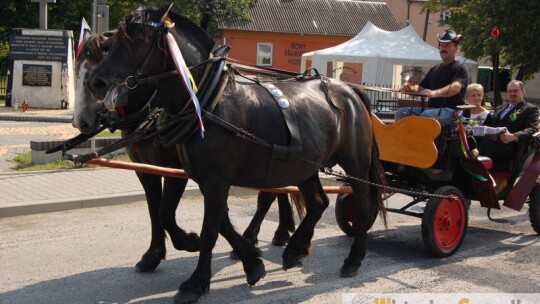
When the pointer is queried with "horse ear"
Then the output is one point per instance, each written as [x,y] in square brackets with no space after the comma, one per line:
[86,35]
[161,14]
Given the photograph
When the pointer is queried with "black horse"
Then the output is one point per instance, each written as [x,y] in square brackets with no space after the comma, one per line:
[162,199]
[247,141]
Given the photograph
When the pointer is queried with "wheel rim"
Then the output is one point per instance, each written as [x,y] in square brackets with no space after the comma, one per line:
[449,224]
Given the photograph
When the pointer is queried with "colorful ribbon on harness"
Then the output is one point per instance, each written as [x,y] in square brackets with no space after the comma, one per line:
[182,69]
[463,138]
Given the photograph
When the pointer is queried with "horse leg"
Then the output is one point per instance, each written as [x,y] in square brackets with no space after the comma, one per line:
[264,201]
[358,249]
[157,251]
[248,253]
[173,188]
[216,219]
[215,203]
[300,243]
[286,221]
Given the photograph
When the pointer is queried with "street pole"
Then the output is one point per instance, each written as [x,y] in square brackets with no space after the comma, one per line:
[497,99]
[94,17]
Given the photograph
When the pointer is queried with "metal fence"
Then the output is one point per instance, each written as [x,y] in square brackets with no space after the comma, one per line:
[384,98]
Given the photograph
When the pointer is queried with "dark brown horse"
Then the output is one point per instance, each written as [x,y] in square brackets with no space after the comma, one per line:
[162,199]
[247,141]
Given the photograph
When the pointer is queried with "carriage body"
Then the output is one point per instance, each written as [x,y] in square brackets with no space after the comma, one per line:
[430,166]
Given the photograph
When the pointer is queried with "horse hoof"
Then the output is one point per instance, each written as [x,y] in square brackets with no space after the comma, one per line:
[189,243]
[348,271]
[290,262]
[186,297]
[147,266]
[258,273]
[280,240]
[234,256]
[150,260]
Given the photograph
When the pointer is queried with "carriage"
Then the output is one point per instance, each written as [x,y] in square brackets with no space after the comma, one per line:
[437,170]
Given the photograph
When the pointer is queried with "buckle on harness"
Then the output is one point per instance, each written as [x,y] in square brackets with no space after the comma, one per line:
[131,82]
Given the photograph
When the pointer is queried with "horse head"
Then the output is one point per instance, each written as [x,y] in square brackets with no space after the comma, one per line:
[85,114]
[140,54]
[89,112]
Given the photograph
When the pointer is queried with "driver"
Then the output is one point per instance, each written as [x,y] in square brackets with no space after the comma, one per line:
[445,84]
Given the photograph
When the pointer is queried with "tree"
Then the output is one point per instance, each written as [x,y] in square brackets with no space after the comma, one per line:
[519,31]
[67,14]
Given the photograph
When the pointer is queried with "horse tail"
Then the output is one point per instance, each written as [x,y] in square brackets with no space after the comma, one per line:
[297,199]
[376,170]
[377,176]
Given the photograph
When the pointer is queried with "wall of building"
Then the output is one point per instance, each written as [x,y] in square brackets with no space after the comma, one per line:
[287,49]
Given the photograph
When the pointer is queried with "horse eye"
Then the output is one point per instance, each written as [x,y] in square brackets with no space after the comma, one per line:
[105,50]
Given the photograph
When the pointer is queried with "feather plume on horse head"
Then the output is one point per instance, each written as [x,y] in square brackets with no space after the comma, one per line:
[164,15]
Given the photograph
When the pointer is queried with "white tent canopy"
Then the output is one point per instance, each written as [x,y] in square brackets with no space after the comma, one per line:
[380,52]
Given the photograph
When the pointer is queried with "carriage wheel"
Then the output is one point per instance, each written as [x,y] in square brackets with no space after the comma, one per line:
[444,222]
[534,208]
[346,215]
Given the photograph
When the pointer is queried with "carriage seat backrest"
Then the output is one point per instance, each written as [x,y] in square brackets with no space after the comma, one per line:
[523,156]
[409,141]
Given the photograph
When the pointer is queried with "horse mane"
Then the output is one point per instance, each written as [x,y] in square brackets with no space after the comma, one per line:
[192,29]
[142,15]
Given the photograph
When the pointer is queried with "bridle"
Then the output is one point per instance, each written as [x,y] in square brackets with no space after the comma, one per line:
[133,81]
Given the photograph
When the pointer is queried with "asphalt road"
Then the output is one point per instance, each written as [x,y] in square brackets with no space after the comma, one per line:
[88,256]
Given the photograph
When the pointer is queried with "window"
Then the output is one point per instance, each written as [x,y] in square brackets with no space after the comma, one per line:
[264,54]
[445,15]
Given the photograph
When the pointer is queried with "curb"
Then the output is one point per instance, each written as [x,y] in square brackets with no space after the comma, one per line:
[40,118]
[65,204]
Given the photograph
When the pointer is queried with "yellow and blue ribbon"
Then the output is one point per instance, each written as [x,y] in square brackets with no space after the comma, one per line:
[183,70]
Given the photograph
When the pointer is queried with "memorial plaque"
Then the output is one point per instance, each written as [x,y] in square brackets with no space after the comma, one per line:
[36,75]
[46,48]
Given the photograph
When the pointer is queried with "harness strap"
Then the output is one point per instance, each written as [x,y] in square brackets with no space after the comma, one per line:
[73,142]
[146,130]
[180,126]
[132,82]
[294,149]
[132,120]
[239,132]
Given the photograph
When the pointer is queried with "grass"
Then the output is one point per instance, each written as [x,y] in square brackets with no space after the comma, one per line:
[107,133]
[23,162]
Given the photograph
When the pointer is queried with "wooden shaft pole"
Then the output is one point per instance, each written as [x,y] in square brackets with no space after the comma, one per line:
[179,173]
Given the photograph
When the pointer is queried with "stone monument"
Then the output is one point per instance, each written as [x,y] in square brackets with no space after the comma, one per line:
[40,67]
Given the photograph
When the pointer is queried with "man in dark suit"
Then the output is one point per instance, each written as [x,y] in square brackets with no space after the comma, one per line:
[520,119]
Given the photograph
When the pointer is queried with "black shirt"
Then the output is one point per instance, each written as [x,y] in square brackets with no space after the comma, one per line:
[442,75]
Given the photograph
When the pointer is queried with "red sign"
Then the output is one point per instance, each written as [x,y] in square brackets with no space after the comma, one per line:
[495,32]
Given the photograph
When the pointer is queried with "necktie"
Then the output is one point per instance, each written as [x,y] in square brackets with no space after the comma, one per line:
[505,111]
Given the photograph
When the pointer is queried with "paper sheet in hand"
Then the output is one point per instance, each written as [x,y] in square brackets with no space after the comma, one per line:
[481,131]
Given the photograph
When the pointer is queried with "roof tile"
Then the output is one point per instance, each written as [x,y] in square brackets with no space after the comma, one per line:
[325,17]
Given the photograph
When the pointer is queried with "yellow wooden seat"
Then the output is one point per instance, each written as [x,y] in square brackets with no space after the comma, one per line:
[409,141]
